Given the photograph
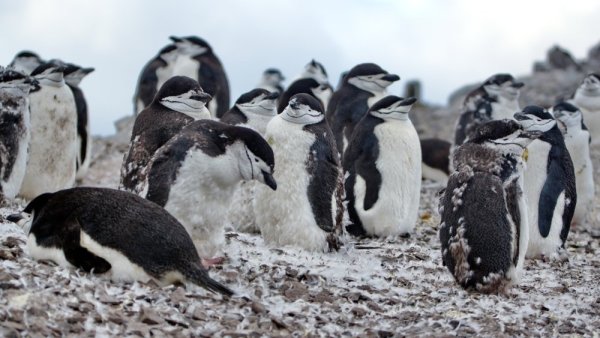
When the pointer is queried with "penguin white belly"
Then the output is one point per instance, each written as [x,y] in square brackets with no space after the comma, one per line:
[122,269]
[592,121]
[11,187]
[579,150]
[53,145]
[200,202]
[241,211]
[165,73]
[434,174]
[285,216]
[399,164]
[534,177]
[186,66]
[37,252]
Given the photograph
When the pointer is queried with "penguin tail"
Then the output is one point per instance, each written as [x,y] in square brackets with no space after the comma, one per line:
[200,277]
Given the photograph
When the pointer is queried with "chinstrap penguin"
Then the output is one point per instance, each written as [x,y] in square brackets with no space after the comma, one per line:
[253,110]
[577,140]
[364,85]
[14,130]
[307,209]
[587,99]
[195,174]
[382,167]
[272,80]
[179,102]
[197,60]
[53,147]
[495,99]
[436,159]
[109,231]
[484,226]
[154,74]
[312,87]
[548,184]
[314,70]
[26,62]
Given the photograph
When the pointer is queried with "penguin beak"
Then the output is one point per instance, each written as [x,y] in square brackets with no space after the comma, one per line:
[408,101]
[272,96]
[269,180]
[175,39]
[87,70]
[15,218]
[520,117]
[202,97]
[391,77]
[517,85]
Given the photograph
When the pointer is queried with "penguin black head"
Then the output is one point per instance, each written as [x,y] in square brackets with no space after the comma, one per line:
[370,77]
[508,136]
[168,53]
[26,61]
[183,94]
[191,45]
[535,118]
[273,77]
[258,101]
[591,85]
[49,74]
[569,115]
[26,218]
[259,162]
[392,107]
[315,70]
[310,86]
[303,109]
[502,85]
[74,73]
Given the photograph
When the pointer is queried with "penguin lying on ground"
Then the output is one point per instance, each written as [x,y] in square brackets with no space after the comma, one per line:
[495,99]
[194,176]
[14,130]
[577,140]
[549,184]
[110,231]
[306,210]
[179,102]
[364,85]
[587,99]
[382,166]
[484,229]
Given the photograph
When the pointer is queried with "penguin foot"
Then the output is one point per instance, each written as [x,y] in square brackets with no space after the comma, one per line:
[208,262]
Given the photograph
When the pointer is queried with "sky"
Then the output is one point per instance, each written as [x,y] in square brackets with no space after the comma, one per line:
[443,43]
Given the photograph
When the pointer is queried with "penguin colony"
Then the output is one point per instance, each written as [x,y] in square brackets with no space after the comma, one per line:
[303,165]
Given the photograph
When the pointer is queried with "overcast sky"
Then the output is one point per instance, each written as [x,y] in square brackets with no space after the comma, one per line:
[443,43]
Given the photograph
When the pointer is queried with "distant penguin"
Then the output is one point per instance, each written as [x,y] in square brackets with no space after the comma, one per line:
[73,76]
[197,60]
[495,99]
[272,80]
[484,227]
[108,231]
[306,210]
[577,140]
[14,130]
[194,176]
[436,159]
[154,74]
[53,148]
[314,70]
[549,184]
[312,87]
[253,109]
[364,85]
[382,166]
[26,62]
[587,99]
[179,102]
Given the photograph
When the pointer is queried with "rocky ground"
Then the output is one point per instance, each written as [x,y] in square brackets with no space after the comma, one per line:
[371,288]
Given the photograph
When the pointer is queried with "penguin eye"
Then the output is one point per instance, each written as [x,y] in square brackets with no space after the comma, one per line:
[256,160]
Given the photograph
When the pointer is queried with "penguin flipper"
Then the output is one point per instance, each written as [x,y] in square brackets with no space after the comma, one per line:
[549,198]
[75,253]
